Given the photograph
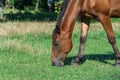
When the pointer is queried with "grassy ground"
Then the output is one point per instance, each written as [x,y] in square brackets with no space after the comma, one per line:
[25,49]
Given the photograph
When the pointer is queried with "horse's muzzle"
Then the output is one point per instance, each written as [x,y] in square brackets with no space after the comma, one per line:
[57,62]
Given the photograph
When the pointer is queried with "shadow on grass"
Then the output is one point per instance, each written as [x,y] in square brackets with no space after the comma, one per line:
[28,16]
[96,57]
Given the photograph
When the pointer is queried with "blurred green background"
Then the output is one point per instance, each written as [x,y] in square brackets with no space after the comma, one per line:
[31,10]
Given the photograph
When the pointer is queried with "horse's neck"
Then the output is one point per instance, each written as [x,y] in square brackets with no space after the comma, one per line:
[69,18]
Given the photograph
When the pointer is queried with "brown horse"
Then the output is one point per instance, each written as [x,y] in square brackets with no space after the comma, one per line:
[101,10]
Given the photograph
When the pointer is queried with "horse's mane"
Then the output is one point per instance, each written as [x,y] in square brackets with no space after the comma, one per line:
[62,11]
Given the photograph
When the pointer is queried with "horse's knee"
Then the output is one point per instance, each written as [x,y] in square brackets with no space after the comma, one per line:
[112,40]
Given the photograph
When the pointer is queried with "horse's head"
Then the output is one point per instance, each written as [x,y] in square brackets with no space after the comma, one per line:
[61,45]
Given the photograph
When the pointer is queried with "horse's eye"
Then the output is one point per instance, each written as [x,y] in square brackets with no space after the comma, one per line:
[56,44]
[57,31]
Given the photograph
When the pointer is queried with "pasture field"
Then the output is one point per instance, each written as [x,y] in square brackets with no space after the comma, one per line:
[25,49]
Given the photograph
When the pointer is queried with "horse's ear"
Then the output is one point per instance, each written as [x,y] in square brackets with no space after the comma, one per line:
[57,30]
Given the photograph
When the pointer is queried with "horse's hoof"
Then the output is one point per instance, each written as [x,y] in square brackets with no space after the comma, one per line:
[74,63]
[117,65]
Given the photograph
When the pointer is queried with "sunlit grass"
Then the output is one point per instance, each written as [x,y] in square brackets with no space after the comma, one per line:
[25,49]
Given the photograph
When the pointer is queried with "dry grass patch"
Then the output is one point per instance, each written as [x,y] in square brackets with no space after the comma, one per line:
[21,28]
[16,46]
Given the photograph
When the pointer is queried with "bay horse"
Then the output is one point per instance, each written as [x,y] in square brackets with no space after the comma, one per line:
[101,10]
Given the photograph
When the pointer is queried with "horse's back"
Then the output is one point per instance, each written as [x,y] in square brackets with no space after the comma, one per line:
[97,7]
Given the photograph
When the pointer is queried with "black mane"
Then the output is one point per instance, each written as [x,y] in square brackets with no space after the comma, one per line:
[62,11]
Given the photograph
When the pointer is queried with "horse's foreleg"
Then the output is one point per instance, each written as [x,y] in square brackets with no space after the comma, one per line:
[105,20]
[84,30]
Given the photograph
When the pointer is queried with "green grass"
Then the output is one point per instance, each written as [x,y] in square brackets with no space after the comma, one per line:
[25,49]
